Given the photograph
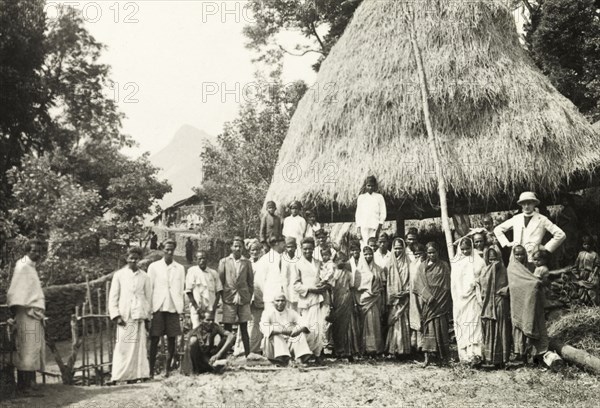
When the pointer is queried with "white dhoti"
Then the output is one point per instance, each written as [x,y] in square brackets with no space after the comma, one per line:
[30,340]
[314,319]
[130,357]
[280,346]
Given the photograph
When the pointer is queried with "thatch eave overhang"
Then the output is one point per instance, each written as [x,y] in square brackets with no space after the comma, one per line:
[427,206]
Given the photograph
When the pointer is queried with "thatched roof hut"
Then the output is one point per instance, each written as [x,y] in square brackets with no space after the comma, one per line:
[502,125]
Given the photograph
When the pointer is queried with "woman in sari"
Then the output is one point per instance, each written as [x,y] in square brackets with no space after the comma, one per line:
[370,301]
[466,295]
[419,256]
[432,287]
[398,290]
[345,329]
[495,310]
[527,300]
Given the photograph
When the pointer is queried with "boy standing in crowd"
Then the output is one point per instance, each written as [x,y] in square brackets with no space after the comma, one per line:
[270,224]
[294,226]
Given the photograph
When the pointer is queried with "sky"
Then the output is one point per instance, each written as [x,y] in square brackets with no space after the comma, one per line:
[177,62]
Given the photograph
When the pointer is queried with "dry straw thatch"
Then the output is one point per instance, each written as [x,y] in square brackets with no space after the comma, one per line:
[502,125]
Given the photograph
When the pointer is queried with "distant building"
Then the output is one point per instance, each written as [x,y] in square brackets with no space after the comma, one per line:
[188,214]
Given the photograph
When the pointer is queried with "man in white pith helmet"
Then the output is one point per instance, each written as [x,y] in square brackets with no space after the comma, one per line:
[529,228]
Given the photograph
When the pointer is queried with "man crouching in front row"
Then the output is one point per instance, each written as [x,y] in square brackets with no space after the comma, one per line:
[201,354]
[283,336]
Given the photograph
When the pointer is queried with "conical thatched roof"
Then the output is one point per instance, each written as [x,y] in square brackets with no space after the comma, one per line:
[502,124]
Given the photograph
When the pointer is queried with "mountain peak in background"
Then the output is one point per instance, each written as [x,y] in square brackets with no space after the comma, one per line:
[180,163]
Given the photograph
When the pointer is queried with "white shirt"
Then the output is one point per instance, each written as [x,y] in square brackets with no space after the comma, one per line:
[383,261]
[294,226]
[168,284]
[203,285]
[370,210]
[530,236]
[306,275]
[130,295]
[311,229]
[259,278]
[274,278]
[275,320]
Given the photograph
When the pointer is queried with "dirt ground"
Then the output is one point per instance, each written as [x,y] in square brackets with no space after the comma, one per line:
[364,384]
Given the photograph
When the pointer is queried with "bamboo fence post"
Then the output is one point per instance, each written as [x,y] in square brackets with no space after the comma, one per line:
[88,294]
[431,137]
[101,334]
[108,323]
[83,345]
[74,347]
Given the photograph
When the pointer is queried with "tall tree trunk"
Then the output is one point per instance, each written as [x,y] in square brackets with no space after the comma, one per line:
[433,142]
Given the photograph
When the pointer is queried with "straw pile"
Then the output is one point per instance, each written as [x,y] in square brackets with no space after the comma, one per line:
[502,125]
[579,328]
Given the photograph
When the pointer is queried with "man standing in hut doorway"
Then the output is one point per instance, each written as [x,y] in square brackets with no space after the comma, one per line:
[27,305]
[529,228]
[370,211]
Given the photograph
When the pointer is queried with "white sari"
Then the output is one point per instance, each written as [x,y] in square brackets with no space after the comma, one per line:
[466,300]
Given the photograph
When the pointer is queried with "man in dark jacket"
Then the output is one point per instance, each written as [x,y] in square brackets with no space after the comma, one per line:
[237,279]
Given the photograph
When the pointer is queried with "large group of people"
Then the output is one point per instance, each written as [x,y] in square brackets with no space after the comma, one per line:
[292,295]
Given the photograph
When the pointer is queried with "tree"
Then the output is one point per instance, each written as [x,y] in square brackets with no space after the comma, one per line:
[50,204]
[74,185]
[309,17]
[238,171]
[127,187]
[22,107]
[76,85]
[563,38]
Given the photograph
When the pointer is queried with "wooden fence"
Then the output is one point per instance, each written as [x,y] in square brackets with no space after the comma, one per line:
[92,344]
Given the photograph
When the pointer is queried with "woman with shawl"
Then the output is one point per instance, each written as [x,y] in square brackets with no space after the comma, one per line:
[398,290]
[464,282]
[370,302]
[432,287]
[345,329]
[527,301]
[419,251]
[495,310]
